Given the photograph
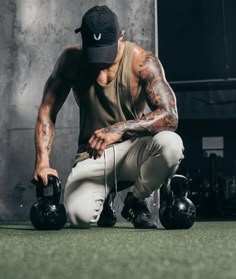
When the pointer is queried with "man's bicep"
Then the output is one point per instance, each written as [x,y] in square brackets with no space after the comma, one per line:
[55,93]
[159,94]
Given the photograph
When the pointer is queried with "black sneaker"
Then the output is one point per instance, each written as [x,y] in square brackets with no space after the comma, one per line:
[108,216]
[136,211]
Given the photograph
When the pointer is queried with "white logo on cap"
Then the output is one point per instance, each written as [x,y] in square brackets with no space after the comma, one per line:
[97,38]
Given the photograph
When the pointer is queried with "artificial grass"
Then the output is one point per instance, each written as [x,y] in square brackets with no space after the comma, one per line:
[207,250]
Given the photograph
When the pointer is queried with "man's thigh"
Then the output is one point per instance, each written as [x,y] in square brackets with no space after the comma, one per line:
[89,183]
[166,146]
[85,193]
[137,154]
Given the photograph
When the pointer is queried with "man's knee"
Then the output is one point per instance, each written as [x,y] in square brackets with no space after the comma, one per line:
[169,145]
[82,214]
[77,218]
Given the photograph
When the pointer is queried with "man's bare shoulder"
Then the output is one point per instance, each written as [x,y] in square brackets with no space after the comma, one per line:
[139,52]
[72,52]
[141,59]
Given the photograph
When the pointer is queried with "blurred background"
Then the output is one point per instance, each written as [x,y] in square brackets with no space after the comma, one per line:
[195,41]
[197,44]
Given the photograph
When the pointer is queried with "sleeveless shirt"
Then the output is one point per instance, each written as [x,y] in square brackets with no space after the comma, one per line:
[102,106]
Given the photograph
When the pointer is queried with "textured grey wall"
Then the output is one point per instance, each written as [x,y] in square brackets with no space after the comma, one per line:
[33,34]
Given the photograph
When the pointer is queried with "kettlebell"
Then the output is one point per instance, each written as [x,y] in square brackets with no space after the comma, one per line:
[177,212]
[47,213]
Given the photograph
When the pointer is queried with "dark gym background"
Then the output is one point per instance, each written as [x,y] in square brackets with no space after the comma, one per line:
[196,43]
[197,48]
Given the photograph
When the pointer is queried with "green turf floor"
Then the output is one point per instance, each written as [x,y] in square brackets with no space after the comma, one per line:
[207,250]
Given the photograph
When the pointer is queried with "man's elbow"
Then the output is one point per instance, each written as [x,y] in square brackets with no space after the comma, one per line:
[168,122]
[46,115]
[172,121]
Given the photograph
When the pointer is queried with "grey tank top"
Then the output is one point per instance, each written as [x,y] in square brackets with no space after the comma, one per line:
[102,106]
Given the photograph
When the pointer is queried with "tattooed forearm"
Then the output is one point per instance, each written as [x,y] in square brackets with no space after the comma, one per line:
[150,124]
[47,135]
[44,138]
[117,128]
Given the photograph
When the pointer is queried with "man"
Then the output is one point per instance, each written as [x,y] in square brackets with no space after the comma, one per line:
[112,81]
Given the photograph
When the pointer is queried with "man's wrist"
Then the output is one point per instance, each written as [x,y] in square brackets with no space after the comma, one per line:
[119,128]
[43,161]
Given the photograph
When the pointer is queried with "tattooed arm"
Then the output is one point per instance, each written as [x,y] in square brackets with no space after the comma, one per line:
[160,99]
[55,93]
[147,71]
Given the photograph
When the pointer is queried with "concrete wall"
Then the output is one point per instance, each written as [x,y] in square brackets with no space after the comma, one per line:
[33,34]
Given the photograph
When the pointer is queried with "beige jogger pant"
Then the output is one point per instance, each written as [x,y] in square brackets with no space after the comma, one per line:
[146,161]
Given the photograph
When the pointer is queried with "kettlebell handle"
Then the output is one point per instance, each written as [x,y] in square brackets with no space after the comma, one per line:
[179,184]
[51,191]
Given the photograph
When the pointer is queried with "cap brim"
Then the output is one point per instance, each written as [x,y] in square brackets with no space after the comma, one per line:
[105,54]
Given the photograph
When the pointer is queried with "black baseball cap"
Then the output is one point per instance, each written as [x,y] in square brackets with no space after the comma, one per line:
[100,33]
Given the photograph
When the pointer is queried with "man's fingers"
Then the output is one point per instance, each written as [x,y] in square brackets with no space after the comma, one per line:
[93,142]
[97,151]
[99,142]
[45,180]
[90,152]
[91,139]
[102,148]
[43,175]
[35,177]
[97,147]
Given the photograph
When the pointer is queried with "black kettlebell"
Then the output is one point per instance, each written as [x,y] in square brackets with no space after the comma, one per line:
[176,210]
[47,213]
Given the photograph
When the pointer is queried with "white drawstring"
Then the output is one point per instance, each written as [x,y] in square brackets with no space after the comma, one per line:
[105,172]
[114,151]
